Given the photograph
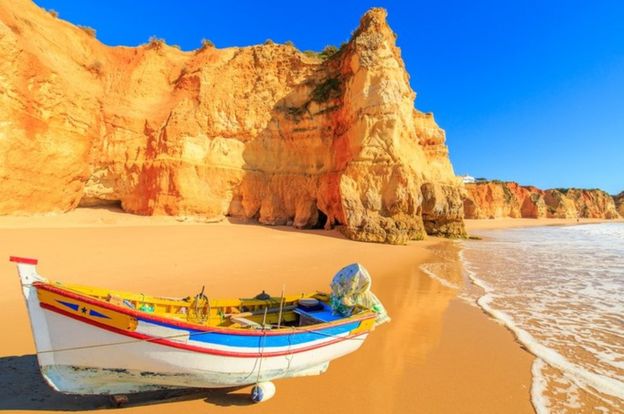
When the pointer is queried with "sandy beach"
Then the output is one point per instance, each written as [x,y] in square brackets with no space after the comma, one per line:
[439,353]
[179,152]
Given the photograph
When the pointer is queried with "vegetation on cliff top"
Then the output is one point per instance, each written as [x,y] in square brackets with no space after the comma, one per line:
[330,88]
[327,53]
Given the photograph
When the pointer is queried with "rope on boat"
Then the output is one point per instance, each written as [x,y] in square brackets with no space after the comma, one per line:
[132,341]
[263,342]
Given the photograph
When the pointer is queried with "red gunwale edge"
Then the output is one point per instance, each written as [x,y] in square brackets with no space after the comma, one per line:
[25,260]
[192,326]
[159,341]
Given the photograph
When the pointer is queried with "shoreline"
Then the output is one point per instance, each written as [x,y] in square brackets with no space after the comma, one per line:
[436,341]
[509,223]
[547,357]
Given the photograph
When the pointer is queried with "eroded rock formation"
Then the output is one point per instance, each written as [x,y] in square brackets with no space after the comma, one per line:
[495,199]
[619,203]
[261,132]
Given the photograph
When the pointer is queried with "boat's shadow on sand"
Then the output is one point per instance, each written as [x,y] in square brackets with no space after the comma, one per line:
[23,388]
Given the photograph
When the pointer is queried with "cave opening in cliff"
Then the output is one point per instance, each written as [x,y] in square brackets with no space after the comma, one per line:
[86,202]
[321,220]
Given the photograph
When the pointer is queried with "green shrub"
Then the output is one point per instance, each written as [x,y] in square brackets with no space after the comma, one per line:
[205,43]
[328,52]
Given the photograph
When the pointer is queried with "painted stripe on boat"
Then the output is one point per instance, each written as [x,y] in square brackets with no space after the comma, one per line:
[25,260]
[97,314]
[73,306]
[187,325]
[195,348]
[274,341]
[182,336]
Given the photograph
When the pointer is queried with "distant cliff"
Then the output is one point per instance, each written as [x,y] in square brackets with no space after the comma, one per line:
[264,132]
[494,199]
[619,203]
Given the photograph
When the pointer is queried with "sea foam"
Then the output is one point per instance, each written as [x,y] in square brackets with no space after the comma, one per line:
[429,270]
[560,291]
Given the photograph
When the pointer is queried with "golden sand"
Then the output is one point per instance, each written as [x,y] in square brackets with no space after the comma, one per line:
[438,355]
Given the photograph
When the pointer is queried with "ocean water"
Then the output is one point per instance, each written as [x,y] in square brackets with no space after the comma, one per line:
[561,291]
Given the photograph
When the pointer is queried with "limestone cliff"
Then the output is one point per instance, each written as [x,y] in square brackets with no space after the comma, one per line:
[619,203]
[495,199]
[261,132]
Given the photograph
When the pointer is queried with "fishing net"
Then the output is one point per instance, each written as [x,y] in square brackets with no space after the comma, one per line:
[350,288]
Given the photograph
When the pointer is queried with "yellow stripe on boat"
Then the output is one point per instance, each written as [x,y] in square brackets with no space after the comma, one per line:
[87,311]
[364,326]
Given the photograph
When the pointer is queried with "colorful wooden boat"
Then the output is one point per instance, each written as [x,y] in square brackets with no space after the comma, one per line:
[99,341]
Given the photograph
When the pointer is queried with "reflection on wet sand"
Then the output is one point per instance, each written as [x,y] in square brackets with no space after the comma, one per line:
[417,305]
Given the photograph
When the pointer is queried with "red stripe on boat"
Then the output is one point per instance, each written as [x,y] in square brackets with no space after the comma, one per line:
[24,260]
[187,325]
[186,347]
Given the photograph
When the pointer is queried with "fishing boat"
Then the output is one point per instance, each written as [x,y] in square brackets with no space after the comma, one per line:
[99,341]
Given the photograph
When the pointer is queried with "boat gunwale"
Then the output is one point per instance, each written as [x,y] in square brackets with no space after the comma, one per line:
[197,327]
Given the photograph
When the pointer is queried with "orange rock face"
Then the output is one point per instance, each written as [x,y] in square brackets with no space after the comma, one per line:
[619,203]
[495,199]
[260,132]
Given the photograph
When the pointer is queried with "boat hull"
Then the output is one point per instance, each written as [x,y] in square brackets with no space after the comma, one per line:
[86,367]
[85,346]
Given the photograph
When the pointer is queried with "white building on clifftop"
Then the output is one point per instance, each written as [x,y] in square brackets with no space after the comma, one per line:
[467,179]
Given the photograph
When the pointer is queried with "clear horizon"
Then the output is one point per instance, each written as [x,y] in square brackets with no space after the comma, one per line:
[532,92]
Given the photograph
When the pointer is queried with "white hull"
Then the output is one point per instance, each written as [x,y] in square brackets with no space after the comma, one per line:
[77,357]
[139,366]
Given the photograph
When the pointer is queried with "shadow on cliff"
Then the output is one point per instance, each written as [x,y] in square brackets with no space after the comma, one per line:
[107,205]
[297,189]
[23,388]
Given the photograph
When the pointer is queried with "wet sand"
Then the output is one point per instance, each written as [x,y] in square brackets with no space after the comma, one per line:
[438,355]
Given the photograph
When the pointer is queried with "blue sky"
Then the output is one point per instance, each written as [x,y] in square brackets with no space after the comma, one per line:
[530,91]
